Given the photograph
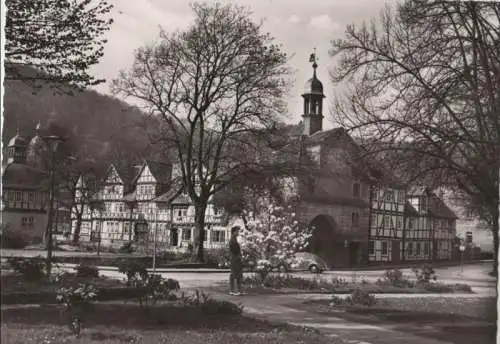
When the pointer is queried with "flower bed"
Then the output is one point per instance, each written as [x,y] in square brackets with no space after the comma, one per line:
[391,284]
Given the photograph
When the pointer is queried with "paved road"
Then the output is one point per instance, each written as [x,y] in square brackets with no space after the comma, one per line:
[476,275]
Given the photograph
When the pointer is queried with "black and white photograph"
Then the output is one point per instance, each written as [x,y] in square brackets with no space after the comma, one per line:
[249,171]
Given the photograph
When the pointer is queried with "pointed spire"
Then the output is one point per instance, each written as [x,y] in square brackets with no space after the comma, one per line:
[38,126]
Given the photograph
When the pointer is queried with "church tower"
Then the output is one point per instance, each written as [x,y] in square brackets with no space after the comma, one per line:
[313,102]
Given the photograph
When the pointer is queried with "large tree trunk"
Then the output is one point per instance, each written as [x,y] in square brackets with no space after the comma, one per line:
[199,231]
[495,247]
[76,234]
[494,229]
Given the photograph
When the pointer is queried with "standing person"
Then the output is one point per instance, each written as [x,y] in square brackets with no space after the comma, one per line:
[236,266]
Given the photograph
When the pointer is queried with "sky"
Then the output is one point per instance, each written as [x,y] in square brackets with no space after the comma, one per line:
[298,25]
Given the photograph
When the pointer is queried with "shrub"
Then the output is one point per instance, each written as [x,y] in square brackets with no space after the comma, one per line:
[339,282]
[447,288]
[126,248]
[12,239]
[135,270]
[279,281]
[425,274]
[77,302]
[218,257]
[87,271]
[395,278]
[170,256]
[60,277]
[209,305]
[358,297]
[337,301]
[156,288]
[462,287]
[32,269]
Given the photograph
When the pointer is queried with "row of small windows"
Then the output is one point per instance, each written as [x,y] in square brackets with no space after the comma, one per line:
[385,221]
[27,221]
[114,227]
[215,235]
[384,247]
[418,248]
[389,196]
[18,196]
[411,248]
[145,190]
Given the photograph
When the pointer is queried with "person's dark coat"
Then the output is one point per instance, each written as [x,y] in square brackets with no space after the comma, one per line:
[235,252]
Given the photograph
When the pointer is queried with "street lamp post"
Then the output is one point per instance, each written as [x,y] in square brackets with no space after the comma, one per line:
[462,249]
[54,142]
[154,241]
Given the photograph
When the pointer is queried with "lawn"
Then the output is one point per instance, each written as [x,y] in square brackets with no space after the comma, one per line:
[454,320]
[427,307]
[128,323]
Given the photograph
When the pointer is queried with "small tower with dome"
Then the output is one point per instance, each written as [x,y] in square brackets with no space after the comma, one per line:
[313,102]
[37,151]
[16,149]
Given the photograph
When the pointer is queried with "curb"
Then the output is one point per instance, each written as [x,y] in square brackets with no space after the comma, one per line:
[159,270]
[438,264]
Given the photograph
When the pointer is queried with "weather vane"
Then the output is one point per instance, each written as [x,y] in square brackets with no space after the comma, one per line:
[313,58]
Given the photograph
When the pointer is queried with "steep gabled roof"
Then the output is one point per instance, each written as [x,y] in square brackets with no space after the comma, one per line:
[410,210]
[437,208]
[162,171]
[174,190]
[182,199]
[23,176]
[127,174]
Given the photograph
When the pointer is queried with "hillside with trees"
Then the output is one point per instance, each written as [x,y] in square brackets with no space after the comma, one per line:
[102,129]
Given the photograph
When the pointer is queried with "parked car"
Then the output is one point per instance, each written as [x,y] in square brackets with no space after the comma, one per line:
[304,261]
[301,261]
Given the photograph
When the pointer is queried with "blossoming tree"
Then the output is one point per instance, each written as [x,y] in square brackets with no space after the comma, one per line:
[272,237]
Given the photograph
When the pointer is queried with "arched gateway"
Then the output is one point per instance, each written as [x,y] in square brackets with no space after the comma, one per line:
[330,243]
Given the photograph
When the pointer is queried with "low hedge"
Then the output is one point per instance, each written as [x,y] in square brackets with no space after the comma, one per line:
[101,261]
[49,297]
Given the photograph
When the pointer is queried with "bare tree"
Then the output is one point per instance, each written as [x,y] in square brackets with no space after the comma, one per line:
[217,87]
[423,88]
[55,41]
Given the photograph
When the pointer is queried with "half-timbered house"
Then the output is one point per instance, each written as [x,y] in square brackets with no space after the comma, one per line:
[143,205]
[386,228]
